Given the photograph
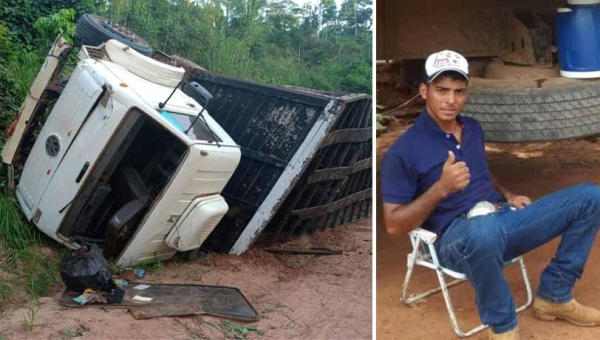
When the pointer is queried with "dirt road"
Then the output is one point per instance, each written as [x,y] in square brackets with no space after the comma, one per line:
[532,169]
[305,297]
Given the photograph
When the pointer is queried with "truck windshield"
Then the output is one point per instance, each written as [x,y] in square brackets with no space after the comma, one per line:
[198,132]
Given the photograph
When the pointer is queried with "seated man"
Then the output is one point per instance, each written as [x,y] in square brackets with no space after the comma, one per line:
[437,171]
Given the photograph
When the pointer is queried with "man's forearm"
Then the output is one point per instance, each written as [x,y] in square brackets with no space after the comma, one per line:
[400,219]
[506,194]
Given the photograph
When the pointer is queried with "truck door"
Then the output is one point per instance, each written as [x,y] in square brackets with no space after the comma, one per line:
[69,113]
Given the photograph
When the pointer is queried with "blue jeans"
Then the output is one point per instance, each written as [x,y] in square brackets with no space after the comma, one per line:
[480,246]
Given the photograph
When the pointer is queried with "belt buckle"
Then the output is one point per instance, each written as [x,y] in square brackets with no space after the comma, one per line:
[481,209]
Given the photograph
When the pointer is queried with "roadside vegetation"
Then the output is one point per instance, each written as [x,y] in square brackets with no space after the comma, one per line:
[316,46]
[28,261]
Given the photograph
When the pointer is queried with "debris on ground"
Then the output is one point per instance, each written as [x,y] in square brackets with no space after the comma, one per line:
[128,275]
[141,287]
[86,268]
[140,273]
[121,282]
[322,297]
[175,300]
[86,297]
[382,122]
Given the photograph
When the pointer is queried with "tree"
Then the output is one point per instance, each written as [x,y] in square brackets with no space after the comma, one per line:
[328,16]
[273,41]
[356,15]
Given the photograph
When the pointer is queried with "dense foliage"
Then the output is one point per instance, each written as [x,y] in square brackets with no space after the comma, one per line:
[317,46]
[21,15]
[27,30]
[277,41]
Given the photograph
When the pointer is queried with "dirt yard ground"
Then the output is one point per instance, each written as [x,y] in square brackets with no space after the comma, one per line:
[307,297]
[532,169]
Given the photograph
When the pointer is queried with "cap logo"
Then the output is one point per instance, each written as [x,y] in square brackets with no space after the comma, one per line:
[444,60]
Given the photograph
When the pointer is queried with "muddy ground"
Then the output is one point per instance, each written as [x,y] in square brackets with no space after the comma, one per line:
[532,169]
[307,297]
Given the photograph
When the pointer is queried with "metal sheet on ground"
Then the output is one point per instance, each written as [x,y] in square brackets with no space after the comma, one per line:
[179,300]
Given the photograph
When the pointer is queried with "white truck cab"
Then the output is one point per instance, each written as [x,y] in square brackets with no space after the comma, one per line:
[118,164]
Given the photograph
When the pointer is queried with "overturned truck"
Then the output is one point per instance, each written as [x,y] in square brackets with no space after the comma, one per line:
[147,160]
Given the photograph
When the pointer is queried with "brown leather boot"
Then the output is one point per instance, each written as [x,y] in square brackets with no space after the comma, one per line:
[513,334]
[571,311]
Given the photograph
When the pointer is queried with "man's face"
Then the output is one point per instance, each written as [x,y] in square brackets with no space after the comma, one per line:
[445,97]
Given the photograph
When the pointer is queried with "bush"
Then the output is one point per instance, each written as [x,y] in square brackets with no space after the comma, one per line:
[49,27]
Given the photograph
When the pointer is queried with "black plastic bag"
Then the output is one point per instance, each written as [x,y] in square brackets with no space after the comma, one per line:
[86,268]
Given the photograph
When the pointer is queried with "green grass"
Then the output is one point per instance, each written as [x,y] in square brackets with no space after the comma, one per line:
[114,268]
[16,233]
[25,68]
[17,75]
[28,322]
[31,271]
[40,271]
[5,289]
[156,265]
[30,267]
[232,330]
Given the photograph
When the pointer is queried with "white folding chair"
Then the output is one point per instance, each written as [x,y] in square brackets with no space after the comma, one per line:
[421,238]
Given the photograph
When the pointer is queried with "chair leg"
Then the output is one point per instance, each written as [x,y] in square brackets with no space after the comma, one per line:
[481,327]
[412,259]
[444,288]
[428,293]
[453,320]
[527,286]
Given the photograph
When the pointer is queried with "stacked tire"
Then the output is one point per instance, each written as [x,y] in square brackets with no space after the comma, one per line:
[95,30]
[535,110]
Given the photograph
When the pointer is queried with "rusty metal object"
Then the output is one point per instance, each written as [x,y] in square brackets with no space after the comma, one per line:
[163,58]
[182,308]
[185,63]
[179,300]
[497,69]
[530,41]
[11,177]
[413,29]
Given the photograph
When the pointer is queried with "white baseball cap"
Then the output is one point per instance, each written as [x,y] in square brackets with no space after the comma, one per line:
[443,61]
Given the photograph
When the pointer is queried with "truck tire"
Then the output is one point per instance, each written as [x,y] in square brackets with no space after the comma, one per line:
[535,110]
[95,30]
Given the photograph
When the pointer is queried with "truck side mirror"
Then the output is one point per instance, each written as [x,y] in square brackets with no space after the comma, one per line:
[198,92]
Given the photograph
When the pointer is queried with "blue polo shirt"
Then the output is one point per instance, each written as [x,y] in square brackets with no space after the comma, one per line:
[414,163]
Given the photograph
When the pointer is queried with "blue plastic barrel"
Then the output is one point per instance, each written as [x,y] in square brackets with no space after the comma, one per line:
[578,41]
